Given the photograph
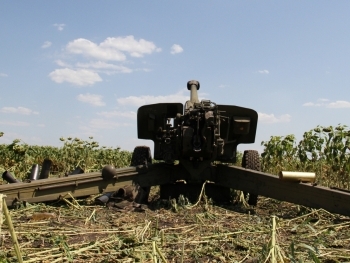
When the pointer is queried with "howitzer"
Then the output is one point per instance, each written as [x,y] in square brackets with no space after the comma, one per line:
[192,139]
[197,134]
[195,144]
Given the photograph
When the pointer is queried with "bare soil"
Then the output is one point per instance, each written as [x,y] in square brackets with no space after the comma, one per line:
[176,231]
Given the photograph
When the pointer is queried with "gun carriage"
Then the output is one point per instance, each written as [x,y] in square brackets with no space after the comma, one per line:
[194,145]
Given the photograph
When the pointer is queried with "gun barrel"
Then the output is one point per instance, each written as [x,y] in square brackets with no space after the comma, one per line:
[193,86]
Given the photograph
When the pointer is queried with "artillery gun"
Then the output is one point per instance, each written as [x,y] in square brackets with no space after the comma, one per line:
[195,145]
[196,135]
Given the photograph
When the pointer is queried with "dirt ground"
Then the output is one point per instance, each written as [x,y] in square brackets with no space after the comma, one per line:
[175,231]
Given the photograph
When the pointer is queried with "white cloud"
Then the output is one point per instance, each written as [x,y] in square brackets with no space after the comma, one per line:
[18,110]
[323,100]
[271,118]
[14,123]
[80,77]
[3,74]
[124,114]
[115,49]
[145,69]
[96,66]
[63,64]
[312,104]
[46,44]
[112,48]
[10,136]
[339,104]
[59,27]
[105,124]
[41,125]
[264,71]
[175,49]
[90,49]
[104,65]
[129,44]
[149,99]
[328,104]
[93,99]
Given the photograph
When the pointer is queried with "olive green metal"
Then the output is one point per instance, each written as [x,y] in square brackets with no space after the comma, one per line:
[193,86]
[307,194]
[255,182]
[79,185]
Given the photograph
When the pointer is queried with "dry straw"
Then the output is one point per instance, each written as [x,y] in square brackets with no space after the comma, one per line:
[160,235]
[275,254]
[12,230]
[1,213]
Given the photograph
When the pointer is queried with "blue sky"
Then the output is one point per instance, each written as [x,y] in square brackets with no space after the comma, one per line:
[82,68]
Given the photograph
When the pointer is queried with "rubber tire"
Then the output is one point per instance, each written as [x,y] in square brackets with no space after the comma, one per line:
[141,156]
[251,160]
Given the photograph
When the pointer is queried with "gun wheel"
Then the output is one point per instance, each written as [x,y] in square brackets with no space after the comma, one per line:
[251,160]
[141,156]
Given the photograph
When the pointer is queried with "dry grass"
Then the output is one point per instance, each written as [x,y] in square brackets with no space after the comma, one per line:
[172,231]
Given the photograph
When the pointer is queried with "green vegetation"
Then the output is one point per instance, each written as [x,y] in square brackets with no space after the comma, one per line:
[18,157]
[174,230]
[323,150]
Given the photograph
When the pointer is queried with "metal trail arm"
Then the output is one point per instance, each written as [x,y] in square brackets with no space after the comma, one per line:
[259,183]
[81,185]
[77,185]
[335,201]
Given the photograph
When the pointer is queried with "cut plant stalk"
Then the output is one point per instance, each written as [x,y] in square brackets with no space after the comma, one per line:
[1,212]
[12,231]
